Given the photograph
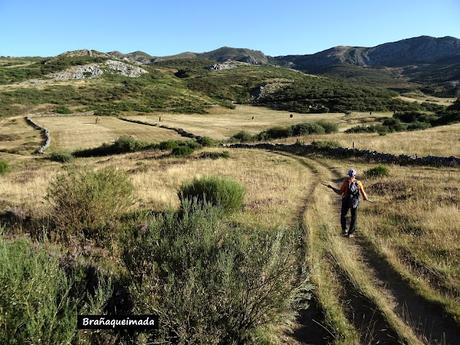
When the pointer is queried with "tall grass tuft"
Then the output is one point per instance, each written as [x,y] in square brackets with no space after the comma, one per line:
[4,167]
[88,203]
[224,193]
[378,171]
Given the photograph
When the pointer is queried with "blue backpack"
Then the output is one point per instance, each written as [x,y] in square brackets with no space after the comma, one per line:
[353,194]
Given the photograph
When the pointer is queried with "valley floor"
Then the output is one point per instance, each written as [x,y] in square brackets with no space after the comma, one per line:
[398,281]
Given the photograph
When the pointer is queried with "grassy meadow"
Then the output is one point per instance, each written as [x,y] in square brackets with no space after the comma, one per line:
[227,245]
[81,132]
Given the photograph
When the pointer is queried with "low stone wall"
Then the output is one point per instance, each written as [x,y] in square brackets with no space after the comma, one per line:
[367,155]
[44,133]
[179,131]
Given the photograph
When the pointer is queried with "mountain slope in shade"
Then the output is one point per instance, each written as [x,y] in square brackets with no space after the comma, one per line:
[417,50]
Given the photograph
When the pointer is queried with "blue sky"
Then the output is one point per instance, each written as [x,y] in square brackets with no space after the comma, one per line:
[49,27]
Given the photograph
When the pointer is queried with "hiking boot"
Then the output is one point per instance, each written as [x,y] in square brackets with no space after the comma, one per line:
[345,233]
[351,235]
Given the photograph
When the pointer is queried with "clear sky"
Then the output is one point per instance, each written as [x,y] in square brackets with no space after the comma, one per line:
[50,27]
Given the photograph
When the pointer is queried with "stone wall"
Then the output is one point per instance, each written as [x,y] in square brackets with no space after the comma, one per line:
[44,133]
[179,131]
[367,155]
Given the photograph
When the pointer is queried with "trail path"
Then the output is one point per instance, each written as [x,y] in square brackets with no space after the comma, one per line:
[378,302]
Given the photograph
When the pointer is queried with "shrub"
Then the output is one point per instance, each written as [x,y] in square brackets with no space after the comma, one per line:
[4,167]
[123,144]
[416,125]
[243,136]
[378,171]
[211,282]
[394,125]
[275,133]
[205,141]
[62,110]
[87,203]
[218,191]
[127,144]
[329,127]
[168,144]
[182,151]
[215,155]
[325,144]
[37,304]
[61,156]
[307,128]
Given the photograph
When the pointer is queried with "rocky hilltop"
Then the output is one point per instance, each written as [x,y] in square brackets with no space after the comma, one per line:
[94,70]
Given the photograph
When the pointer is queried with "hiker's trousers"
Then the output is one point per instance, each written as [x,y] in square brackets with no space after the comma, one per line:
[343,214]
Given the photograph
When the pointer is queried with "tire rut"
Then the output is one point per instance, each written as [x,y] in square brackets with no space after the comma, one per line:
[426,318]
[360,310]
[312,325]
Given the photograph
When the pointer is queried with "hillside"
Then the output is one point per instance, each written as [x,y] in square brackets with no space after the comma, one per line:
[427,62]
[111,83]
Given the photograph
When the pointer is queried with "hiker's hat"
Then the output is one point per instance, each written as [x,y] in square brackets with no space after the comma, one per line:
[352,172]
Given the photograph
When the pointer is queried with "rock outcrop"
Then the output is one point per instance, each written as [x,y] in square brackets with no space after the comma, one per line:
[94,70]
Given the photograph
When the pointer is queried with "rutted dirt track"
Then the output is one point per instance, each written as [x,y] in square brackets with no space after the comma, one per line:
[377,301]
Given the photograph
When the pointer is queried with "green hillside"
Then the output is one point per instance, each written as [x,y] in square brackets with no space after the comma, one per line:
[182,85]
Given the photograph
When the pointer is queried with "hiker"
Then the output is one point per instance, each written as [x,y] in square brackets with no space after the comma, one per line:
[350,190]
[97,120]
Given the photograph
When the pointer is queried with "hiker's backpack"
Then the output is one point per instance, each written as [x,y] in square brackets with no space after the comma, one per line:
[353,194]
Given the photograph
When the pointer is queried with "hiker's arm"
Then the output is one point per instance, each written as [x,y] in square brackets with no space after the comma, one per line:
[363,192]
[336,190]
[343,188]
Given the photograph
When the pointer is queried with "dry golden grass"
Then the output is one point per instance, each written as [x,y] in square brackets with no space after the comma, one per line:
[74,132]
[275,185]
[413,222]
[440,141]
[222,123]
[412,97]
[325,242]
[17,137]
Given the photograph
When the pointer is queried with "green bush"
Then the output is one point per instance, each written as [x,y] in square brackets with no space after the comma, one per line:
[127,144]
[215,155]
[275,133]
[212,282]
[299,129]
[307,128]
[61,156]
[205,141]
[37,304]
[218,191]
[325,144]
[124,144]
[378,171]
[243,136]
[329,127]
[169,144]
[88,203]
[182,151]
[62,110]
[4,167]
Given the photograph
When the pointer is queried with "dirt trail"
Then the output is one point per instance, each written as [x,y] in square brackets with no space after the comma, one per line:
[425,318]
[361,311]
